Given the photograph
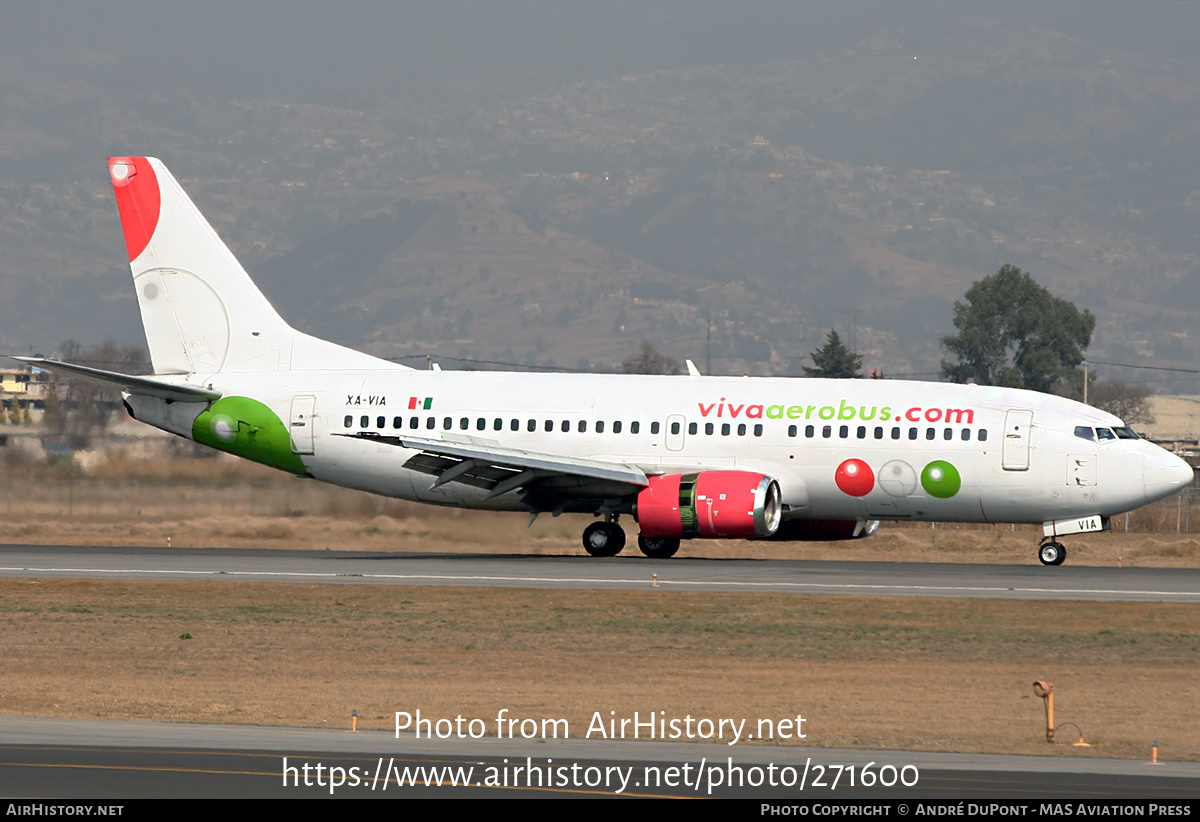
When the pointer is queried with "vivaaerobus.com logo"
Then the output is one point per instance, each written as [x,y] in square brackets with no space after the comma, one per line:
[842,412]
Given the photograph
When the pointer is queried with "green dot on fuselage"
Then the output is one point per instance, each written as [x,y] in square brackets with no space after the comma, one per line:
[940,479]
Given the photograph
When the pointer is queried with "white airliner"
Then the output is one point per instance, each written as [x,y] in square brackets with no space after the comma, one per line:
[686,457]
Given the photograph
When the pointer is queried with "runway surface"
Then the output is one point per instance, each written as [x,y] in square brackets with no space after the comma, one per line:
[62,759]
[626,572]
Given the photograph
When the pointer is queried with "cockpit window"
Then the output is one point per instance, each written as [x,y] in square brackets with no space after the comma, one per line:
[1105,434]
[1126,433]
[1085,432]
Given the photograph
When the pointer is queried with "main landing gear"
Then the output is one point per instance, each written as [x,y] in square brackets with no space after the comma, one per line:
[606,539]
[1051,552]
[658,547]
[603,539]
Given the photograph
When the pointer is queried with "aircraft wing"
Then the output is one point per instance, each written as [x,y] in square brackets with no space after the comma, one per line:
[500,470]
[149,386]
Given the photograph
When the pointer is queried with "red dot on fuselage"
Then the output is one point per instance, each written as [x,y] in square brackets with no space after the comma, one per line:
[855,478]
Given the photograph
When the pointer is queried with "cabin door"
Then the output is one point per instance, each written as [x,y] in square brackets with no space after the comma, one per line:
[1017,424]
[301,426]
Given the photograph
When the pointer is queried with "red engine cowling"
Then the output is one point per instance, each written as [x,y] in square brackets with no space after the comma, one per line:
[735,504]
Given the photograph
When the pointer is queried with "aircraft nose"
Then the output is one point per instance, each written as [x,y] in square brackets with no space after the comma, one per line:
[1165,474]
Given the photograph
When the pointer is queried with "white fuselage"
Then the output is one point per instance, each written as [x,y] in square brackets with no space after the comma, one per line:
[1016,452]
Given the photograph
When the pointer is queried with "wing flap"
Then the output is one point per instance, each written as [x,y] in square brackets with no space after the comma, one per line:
[499,470]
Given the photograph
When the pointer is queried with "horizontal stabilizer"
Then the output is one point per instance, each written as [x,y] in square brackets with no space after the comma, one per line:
[147,386]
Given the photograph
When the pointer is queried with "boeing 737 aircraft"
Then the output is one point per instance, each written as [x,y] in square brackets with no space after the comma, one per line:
[686,457]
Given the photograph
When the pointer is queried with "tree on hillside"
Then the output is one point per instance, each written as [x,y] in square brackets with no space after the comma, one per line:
[834,360]
[1013,332]
[648,360]
[1121,399]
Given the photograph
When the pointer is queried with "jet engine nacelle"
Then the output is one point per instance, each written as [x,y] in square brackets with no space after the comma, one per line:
[710,504]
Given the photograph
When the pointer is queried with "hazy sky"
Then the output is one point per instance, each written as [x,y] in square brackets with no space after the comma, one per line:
[317,50]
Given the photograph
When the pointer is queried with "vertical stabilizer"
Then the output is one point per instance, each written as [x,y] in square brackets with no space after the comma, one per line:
[201,311]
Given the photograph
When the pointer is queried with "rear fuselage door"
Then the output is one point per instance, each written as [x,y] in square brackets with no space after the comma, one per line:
[301,424]
[1017,423]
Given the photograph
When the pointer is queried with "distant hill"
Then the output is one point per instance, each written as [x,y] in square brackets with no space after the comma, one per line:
[558,205]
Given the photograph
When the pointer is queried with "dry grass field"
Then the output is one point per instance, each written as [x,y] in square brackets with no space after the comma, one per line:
[230,503]
[947,675]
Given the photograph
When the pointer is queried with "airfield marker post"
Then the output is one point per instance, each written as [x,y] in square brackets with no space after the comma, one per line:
[1046,691]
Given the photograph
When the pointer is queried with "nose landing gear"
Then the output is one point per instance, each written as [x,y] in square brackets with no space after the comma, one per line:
[1051,552]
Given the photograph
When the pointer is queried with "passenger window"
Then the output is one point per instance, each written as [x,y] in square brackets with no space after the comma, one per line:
[566,426]
[948,434]
[878,432]
[348,421]
[599,426]
[791,430]
[397,422]
[758,429]
[635,427]
[481,424]
[861,432]
[912,433]
[826,431]
[654,427]
[895,433]
[982,435]
[725,429]
[514,424]
[930,433]
[741,429]
[843,431]
[582,427]
[364,422]
[616,426]
[674,428]
[414,422]
[708,428]
[380,422]
[692,428]
[430,423]
[810,431]
[464,423]
[549,426]
[966,434]
[1085,432]
[447,423]
[531,426]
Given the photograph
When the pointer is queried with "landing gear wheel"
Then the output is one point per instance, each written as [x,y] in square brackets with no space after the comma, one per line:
[1052,553]
[658,547]
[603,539]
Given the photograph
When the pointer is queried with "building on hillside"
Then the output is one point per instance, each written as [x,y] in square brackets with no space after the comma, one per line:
[24,387]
